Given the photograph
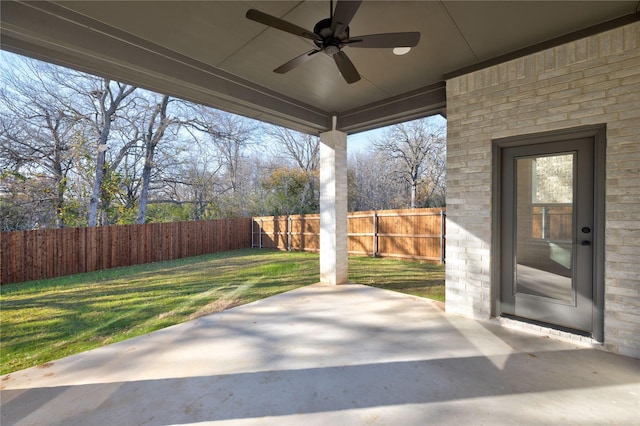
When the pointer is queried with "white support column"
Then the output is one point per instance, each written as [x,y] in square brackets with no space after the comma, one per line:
[333,207]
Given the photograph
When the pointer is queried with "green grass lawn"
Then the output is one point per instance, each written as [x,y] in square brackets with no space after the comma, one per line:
[48,319]
[419,279]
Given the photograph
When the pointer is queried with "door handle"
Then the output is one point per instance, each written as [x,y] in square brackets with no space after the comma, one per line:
[585,243]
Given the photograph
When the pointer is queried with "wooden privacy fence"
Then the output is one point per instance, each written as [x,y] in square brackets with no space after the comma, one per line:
[412,234]
[46,253]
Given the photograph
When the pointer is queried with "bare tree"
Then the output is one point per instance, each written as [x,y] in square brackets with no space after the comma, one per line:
[432,185]
[411,145]
[195,182]
[158,123]
[109,99]
[301,148]
[232,138]
[38,129]
[370,187]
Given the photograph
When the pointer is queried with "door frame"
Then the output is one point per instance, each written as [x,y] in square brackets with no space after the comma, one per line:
[598,134]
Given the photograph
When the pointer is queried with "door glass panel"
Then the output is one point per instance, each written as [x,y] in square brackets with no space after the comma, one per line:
[544,226]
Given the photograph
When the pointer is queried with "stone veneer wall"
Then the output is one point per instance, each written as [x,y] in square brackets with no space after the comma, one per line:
[594,80]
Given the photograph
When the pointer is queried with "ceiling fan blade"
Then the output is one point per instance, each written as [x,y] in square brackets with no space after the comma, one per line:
[342,16]
[280,24]
[298,60]
[346,67]
[388,40]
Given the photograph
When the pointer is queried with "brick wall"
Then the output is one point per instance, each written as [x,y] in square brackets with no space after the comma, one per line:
[594,80]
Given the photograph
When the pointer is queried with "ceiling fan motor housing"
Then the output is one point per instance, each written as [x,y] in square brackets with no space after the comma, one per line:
[329,44]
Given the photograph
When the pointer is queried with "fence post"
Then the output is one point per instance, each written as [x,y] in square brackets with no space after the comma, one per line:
[375,235]
[260,235]
[252,233]
[288,233]
[442,228]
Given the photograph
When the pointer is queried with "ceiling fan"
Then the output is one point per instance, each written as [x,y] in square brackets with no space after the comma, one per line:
[330,35]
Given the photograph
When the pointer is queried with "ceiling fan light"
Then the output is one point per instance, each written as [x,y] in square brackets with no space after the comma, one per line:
[401,50]
[331,50]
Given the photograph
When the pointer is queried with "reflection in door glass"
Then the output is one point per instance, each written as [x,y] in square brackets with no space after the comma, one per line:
[544,226]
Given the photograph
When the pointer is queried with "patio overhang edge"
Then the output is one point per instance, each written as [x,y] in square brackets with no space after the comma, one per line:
[48,32]
[428,100]
[52,33]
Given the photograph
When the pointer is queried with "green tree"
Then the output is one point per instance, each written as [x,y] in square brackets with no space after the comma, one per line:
[301,151]
[286,189]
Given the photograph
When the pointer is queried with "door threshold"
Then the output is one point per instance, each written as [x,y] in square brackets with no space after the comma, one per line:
[547,330]
[547,325]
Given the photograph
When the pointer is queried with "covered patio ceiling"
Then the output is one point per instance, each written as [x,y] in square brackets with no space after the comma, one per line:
[209,53]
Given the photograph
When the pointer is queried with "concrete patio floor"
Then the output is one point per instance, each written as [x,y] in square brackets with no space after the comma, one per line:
[334,355]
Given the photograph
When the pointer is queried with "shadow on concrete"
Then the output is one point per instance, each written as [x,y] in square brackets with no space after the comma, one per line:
[312,390]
